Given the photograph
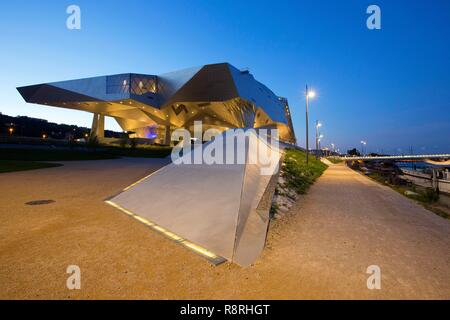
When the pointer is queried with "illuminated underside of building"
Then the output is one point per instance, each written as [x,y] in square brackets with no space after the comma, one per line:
[150,106]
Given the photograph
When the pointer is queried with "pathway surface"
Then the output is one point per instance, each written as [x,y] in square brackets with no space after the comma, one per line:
[320,250]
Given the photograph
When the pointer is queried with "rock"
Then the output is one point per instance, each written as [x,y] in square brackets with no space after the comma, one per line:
[283,210]
[411,193]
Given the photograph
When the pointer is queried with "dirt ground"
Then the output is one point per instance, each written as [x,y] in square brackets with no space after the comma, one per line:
[320,250]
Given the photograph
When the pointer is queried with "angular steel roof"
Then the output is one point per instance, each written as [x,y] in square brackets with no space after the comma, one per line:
[149,98]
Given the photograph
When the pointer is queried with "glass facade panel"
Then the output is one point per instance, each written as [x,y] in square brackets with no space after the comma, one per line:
[141,84]
[118,84]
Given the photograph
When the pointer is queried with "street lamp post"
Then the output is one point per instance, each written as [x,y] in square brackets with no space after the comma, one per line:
[320,139]
[318,125]
[308,94]
[363,143]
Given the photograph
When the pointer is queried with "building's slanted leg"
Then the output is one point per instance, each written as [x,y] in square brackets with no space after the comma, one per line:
[94,127]
[98,126]
[101,126]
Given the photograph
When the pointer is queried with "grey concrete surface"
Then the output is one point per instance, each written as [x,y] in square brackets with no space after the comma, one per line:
[213,206]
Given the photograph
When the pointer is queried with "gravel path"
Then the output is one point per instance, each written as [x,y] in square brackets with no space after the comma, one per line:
[320,250]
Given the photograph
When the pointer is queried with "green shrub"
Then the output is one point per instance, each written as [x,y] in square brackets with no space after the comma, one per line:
[123,142]
[297,174]
[274,209]
[431,195]
[133,143]
[93,142]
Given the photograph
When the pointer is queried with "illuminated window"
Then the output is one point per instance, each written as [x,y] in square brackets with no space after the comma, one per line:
[141,84]
[131,83]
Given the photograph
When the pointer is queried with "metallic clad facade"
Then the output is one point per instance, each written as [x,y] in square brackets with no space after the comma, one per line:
[219,95]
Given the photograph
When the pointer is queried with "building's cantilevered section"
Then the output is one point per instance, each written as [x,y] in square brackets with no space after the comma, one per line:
[151,106]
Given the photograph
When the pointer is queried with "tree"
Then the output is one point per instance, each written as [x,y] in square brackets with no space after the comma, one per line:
[354,152]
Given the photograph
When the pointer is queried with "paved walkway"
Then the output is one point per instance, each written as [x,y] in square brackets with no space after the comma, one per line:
[320,250]
[348,222]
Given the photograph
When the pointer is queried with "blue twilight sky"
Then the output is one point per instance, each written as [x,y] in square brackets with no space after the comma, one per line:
[390,87]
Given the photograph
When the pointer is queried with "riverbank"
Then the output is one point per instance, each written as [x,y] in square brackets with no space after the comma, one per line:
[426,197]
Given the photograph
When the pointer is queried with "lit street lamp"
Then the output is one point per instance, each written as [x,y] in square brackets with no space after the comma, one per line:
[363,143]
[318,140]
[308,94]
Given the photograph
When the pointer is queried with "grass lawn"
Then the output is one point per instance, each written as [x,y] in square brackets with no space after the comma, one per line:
[100,153]
[37,154]
[15,165]
[18,159]
[298,175]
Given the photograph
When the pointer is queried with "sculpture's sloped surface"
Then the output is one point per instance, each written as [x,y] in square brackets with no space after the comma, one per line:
[216,207]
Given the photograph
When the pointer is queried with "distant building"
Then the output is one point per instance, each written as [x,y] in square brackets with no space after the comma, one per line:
[33,127]
[151,106]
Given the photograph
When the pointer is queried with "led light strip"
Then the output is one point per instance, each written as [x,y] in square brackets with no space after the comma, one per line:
[140,180]
[213,258]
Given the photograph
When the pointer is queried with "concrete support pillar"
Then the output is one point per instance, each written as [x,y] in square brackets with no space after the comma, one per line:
[167,135]
[98,126]
[94,126]
[101,126]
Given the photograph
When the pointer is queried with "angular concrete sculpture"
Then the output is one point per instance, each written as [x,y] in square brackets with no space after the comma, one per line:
[221,211]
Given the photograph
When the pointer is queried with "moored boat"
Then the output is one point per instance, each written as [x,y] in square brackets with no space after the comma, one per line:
[436,178]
